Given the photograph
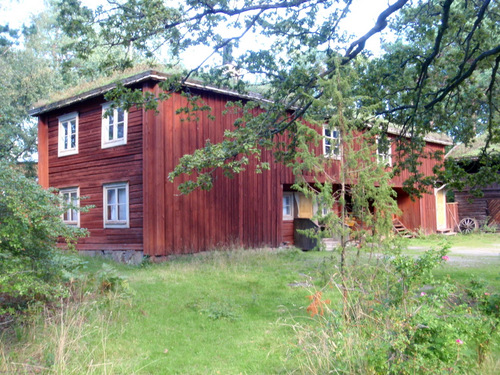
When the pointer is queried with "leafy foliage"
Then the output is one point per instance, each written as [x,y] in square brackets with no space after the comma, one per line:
[438,75]
[400,320]
[30,224]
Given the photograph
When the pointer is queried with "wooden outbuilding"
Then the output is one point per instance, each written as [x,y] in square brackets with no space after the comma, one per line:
[483,209]
[119,164]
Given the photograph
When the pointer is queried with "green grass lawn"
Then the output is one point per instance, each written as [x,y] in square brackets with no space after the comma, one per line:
[475,240]
[472,257]
[214,313]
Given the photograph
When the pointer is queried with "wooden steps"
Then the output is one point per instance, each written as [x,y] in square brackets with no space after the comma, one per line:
[399,228]
[446,232]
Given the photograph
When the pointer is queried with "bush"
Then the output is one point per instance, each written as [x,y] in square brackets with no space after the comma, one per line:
[396,319]
[30,224]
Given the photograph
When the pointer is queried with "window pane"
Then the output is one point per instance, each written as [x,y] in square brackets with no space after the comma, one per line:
[111,196]
[110,132]
[120,131]
[122,212]
[122,195]
[327,132]
[111,212]
[65,135]
[120,115]
[336,151]
[73,140]
[287,205]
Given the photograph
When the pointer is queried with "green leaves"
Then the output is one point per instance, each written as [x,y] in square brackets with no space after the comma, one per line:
[30,224]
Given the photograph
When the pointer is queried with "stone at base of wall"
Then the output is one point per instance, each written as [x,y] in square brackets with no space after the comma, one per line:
[121,256]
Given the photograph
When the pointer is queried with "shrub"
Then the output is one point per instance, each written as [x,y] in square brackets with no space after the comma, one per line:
[30,224]
[397,319]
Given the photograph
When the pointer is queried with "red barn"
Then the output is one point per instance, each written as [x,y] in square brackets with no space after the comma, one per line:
[121,163]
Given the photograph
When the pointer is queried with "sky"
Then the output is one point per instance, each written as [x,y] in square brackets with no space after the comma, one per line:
[363,16]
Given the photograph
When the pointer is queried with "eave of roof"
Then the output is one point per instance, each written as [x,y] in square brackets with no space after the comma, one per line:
[134,79]
[160,76]
[437,138]
[472,150]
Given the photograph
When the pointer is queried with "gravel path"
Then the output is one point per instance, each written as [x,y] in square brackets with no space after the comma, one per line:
[470,256]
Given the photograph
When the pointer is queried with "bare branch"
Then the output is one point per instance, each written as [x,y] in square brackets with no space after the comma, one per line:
[457,80]
[357,46]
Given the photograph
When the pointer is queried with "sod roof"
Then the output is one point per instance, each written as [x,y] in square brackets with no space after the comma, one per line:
[142,73]
[473,149]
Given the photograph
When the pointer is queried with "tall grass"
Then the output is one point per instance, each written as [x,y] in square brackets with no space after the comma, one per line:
[398,319]
[61,342]
[233,312]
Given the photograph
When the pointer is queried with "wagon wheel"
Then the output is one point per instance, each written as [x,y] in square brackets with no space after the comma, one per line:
[467,225]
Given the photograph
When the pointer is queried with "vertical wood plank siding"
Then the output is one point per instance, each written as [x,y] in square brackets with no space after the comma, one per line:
[43,152]
[92,167]
[243,211]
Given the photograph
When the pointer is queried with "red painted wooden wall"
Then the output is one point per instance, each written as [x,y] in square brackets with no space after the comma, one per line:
[246,210]
[91,168]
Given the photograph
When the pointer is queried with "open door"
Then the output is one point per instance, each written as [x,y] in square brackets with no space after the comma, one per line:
[441,223]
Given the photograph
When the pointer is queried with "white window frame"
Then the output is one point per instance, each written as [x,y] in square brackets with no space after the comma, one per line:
[117,223]
[288,195]
[71,212]
[65,139]
[105,141]
[330,141]
[385,158]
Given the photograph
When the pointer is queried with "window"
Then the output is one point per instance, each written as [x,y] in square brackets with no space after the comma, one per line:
[114,126]
[116,205]
[384,151]
[287,206]
[68,134]
[70,200]
[331,142]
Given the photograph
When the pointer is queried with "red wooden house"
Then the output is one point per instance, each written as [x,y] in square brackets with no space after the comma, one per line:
[121,163]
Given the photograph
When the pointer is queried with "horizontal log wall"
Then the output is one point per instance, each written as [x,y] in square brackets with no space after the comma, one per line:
[476,207]
[92,167]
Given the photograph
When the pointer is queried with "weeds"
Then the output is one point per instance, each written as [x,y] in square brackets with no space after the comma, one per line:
[398,320]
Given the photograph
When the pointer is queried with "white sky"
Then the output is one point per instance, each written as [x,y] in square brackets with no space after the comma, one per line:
[363,16]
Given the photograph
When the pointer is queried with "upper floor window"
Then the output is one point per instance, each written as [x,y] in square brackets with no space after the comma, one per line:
[70,198]
[116,205]
[68,134]
[384,151]
[331,142]
[114,126]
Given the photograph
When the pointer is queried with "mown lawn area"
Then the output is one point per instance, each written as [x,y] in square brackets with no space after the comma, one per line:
[227,312]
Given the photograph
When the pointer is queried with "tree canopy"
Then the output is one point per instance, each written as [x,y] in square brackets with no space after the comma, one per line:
[437,73]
